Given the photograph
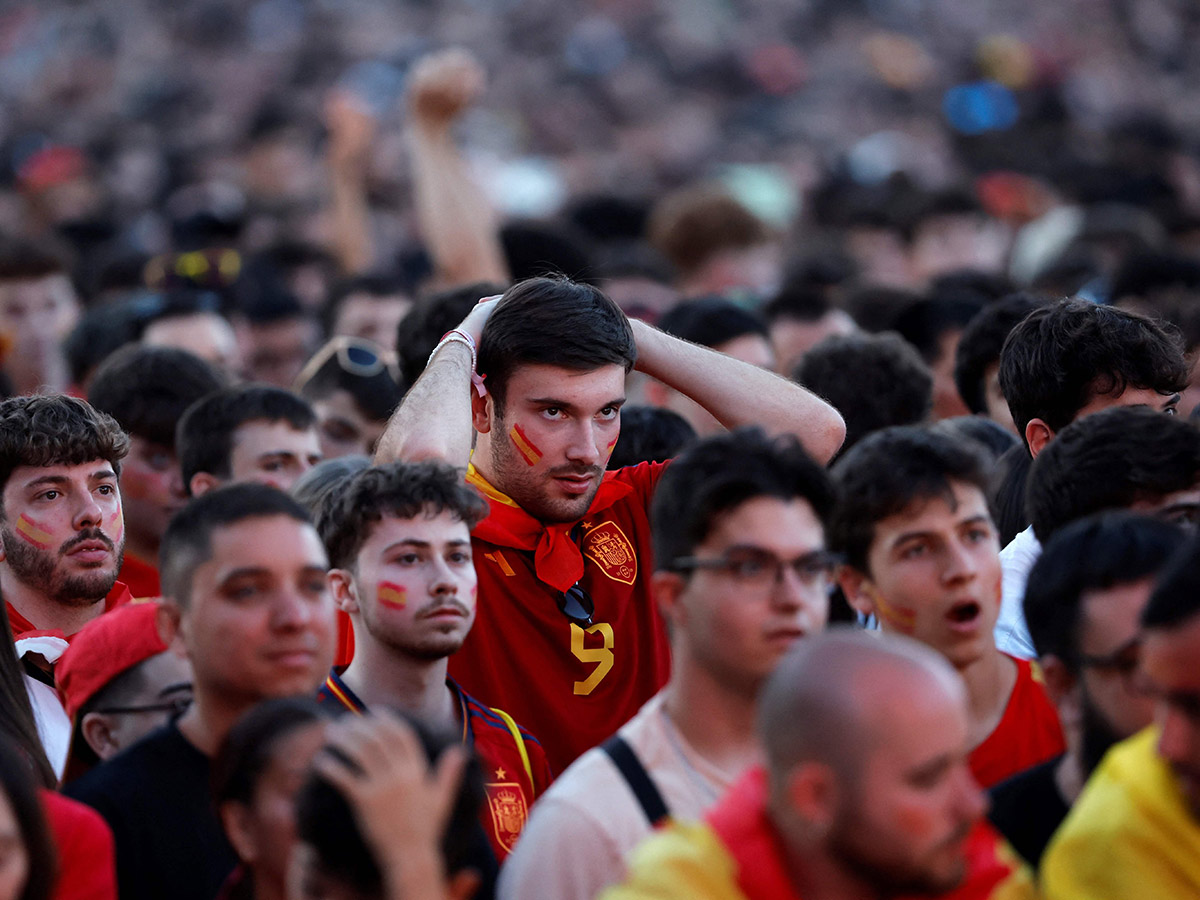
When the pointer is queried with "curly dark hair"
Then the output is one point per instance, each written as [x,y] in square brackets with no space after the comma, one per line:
[402,490]
[54,429]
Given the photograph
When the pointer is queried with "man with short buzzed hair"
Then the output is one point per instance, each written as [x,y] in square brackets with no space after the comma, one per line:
[866,791]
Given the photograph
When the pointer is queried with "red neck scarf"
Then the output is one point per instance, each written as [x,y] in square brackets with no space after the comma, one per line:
[557,558]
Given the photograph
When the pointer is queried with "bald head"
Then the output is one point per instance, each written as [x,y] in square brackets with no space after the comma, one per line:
[840,694]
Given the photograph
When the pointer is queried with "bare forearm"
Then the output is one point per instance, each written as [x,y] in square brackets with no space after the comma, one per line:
[737,393]
[352,242]
[434,421]
[456,221]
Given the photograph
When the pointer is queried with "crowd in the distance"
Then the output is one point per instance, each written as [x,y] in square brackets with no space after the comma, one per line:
[653,550]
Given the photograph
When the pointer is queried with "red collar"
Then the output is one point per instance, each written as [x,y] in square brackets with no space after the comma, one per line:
[22,627]
[557,559]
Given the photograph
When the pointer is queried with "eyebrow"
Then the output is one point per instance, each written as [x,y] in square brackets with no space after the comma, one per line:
[910,535]
[175,688]
[550,401]
[1172,400]
[414,542]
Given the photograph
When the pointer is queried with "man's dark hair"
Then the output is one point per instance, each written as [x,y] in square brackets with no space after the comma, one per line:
[54,429]
[1006,493]
[147,389]
[377,286]
[187,542]
[327,823]
[1110,460]
[401,490]
[26,261]
[553,322]
[430,318]
[799,303]
[888,471]
[925,323]
[1093,554]
[1061,356]
[875,308]
[21,791]
[993,437]
[1175,600]
[873,380]
[538,249]
[719,473]
[711,321]
[650,434]
[246,752]
[981,342]
[204,436]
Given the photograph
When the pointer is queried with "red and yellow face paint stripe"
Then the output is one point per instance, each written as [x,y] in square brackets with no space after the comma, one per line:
[612,444]
[393,596]
[34,533]
[528,450]
[901,617]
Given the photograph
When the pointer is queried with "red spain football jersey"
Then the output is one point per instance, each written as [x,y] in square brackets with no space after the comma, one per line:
[1028,733]
[514,774]
[574,686]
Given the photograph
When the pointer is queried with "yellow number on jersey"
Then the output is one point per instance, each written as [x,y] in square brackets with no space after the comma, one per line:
[601,655]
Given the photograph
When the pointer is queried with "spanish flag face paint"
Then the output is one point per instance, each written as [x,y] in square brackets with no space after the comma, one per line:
[528,450]
[116,525]
[33,533]
[612,444]
[391,595]
[901,618]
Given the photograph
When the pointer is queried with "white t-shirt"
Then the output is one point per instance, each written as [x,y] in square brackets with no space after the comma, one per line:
[581,830]
[1016,560]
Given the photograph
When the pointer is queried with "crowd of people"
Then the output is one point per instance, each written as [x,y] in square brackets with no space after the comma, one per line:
[577,467]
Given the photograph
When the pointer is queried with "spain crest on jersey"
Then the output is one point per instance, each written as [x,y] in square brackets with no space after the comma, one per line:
[607,545]
[506,802]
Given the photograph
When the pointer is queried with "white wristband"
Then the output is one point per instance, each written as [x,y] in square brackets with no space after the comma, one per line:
[456,336]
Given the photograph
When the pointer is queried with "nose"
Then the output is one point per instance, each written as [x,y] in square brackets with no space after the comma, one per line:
[789,591]
[175,484]
[961,563]
[582,449]
[88,513]
[291,610]
[444,581]
[973,802]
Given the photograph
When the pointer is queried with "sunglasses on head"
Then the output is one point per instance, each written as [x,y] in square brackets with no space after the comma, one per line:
[354,356]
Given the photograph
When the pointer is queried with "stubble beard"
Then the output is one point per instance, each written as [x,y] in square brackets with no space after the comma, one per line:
[529,489]
[37,569]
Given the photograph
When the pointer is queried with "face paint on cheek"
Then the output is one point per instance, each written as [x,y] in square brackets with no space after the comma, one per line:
[34,533]
[528,450]
[612,444]
[901,618]
[116,524]
[392,595]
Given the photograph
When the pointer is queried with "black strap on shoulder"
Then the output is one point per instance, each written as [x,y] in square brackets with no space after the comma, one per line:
[637,777]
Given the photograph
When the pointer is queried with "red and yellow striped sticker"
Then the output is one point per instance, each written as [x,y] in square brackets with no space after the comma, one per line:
[528,450]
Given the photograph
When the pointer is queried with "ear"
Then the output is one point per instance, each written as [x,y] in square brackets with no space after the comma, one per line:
[666,588]
[166,622]
[483,410]
[858,589]
[345,594]
[96,730]
[463,885]
[235,820]
[812,794]
[1037,435]
[203,482]
[1062,687]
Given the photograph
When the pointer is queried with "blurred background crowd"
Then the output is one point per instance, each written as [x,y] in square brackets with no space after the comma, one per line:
[247,178]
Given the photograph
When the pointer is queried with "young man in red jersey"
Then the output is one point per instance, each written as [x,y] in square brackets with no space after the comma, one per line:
[922,556]
[567,637]
[399,542]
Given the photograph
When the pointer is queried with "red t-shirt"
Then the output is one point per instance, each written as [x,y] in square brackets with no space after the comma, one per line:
[87,862]
[1028,733]
[573,686]
[140,577]
[512,782]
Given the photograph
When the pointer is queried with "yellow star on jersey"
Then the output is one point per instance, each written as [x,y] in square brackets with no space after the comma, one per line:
[500,774]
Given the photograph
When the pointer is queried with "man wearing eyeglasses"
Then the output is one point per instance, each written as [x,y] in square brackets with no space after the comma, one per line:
[742,574]
[922,556]
[1085,595]
[399,544]
[567,637]
[1135,829]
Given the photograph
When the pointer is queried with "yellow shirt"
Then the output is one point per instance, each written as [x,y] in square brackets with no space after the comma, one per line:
[1130,835]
